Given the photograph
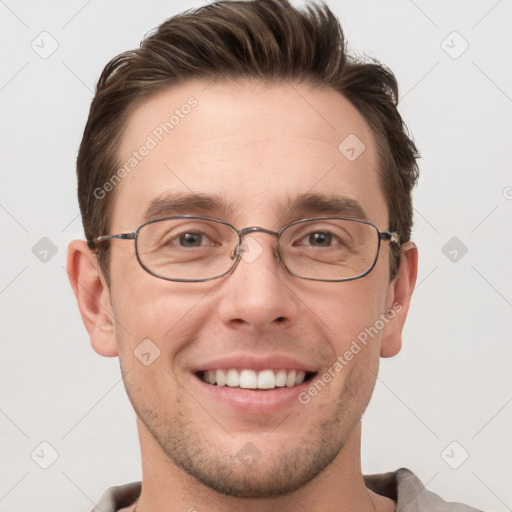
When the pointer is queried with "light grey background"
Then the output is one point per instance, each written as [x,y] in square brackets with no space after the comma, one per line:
[451,382]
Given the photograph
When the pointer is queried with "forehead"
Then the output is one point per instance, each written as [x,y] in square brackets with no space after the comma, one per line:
[253,147]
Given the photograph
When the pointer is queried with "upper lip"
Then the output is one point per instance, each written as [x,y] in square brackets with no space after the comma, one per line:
[256,363]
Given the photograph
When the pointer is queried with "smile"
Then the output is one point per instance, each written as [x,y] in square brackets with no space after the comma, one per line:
[251,379]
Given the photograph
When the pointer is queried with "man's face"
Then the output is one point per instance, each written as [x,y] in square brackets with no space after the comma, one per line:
[255,148]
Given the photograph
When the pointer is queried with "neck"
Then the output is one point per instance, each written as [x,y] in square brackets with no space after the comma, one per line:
[340,487]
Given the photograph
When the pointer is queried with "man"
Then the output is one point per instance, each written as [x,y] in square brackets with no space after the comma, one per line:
[245,189]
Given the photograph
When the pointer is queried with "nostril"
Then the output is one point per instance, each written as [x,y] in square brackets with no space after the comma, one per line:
[280,319]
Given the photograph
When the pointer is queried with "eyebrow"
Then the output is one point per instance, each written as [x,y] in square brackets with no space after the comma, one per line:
[320,204]
[170,204]
[308,204]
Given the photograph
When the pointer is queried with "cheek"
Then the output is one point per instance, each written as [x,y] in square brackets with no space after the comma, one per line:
[346,310]
[158,315]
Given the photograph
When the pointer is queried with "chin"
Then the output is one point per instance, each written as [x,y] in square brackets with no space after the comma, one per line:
[263,475]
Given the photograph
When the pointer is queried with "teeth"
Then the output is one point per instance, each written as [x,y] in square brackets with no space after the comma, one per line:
[290,379]
[249,379]
[266,379]
[232,379]
[281,378]
[220,378]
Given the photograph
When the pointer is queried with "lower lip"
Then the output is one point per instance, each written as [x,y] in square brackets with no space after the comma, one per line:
[253,401]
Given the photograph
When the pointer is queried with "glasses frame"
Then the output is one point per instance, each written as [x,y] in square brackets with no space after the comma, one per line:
[392,237]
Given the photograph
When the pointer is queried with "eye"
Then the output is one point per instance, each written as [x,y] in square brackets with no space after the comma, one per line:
[319,239]
[192,239]
[321,235]
[322,238]
[189,235]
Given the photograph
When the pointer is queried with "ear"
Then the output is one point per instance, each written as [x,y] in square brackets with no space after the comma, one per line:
[398,300]
[93,297]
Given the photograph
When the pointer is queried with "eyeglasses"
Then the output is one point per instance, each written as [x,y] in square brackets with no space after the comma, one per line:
[195,249]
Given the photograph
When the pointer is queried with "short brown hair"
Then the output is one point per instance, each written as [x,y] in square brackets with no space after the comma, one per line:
[267,40]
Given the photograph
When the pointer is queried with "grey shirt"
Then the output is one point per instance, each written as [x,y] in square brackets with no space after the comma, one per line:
[402,486]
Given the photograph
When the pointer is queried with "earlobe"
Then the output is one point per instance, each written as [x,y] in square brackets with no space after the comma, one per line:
[93,297]
[399,297]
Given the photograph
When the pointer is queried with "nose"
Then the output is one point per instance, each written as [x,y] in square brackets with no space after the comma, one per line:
[257,295]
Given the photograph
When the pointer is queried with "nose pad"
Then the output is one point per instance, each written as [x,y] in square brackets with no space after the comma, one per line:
[235,252]
[277,253]
[250,249]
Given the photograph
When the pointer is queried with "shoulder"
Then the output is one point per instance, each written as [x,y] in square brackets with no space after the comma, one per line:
[404,487]
[117,497]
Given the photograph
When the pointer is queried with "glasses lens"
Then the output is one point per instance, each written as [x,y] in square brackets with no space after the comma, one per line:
[186,248]
[196,249]
[330,249]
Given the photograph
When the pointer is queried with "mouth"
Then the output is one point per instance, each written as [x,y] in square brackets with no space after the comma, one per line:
[257,385]
[263,380]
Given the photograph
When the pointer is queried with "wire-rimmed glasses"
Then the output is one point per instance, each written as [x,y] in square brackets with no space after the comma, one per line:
[194,249]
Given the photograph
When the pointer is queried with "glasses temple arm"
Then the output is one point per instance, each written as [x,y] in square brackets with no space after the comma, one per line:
[122,236]
[387,235]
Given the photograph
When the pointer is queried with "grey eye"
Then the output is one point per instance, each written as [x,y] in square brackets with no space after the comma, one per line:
[320,239]
[191,239]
